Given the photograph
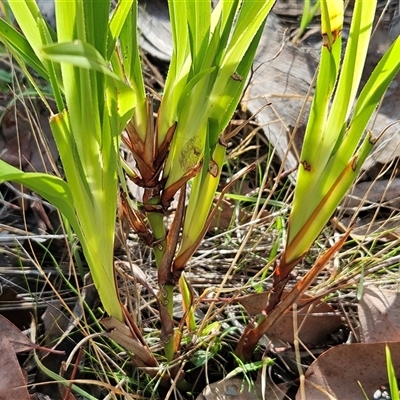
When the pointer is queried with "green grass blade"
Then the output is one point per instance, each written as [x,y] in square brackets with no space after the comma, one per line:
[62,381]
[216,95]
[369,98]
[392,378]
[19,45]
[54,71]
[316,128]
[241,38]
[180,36]
[201,199]
[226,102]
[94,204]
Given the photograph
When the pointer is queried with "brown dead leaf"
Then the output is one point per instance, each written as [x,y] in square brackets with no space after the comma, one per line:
[65,393]
[125,337]
[228,212]
[12,308]
[337,371]
[135,274]
[26,140]
[380,227]
[17,339]
[379,313]
[316,320]
[383,193]
[253,303]
[12,381]
[369,196]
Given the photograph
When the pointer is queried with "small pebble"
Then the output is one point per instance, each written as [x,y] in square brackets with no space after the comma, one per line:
[381,394]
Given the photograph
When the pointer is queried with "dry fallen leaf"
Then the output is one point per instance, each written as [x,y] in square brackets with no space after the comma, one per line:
[10,302]
[337,371]
[12,381]
[316,320]
[26,140]
[16,338]
[228,212]
[383,193]
[65,393]
[121,333]
[379,313]
[380,227]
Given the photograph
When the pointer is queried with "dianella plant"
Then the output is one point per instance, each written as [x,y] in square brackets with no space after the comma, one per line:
[93,65]
[335,146]
[213,53]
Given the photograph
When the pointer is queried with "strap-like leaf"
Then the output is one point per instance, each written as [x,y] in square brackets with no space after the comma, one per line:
[19,45]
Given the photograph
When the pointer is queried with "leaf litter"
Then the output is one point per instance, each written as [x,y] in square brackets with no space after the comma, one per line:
[343,370]
[379,314]
[315,318]
[12,380]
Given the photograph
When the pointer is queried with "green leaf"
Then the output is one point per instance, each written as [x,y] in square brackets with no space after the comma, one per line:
[96,14]
[93,189]
[331,149]
[328,200]
[118,19]
[201,198]
[178,71]
[316,128]
[133,70]
[98,104]
[52,188]
[199,18]
[187,92]
[353,64]
[242,36]
[54,70]
[226,102]
[78,54]
[70,158]
[376,86]
[27,13]
[317,146]
[20,46]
